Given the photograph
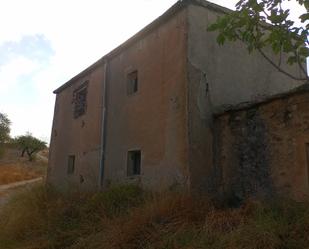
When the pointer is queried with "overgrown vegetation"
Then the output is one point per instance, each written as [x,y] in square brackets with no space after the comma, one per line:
[127,217]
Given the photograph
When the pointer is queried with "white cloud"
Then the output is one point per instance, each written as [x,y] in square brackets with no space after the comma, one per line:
[79,31]
[11,72]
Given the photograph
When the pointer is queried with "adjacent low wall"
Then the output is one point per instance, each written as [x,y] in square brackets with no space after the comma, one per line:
[264,149]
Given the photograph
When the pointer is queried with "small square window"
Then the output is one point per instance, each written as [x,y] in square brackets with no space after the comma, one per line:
[134,163]
[71,165]
[80,100]
[132,82]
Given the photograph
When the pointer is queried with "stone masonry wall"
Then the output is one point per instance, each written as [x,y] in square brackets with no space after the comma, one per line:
[263,149]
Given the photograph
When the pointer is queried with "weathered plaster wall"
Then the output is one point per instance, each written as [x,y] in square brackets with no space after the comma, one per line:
[219,77]
[184,78]
[79,137]
[262,150]
[234,75]
[200,127]
[153,119]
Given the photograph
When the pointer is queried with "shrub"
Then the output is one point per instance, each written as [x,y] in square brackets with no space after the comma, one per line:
[117,200]
[42,216]
[24,217]
[127,217]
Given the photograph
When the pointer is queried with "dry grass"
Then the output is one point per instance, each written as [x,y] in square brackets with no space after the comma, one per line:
[15,173]
[14,168]
[125,217]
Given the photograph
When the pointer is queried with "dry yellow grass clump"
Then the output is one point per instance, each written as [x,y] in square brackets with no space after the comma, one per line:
[15,173]
[125,217]
[14,168]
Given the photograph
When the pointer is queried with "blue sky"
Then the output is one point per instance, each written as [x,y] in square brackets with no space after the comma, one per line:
[44,43]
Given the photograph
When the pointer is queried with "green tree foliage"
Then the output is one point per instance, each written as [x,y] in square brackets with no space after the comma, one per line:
[30,145]
[266,23]
[4,128]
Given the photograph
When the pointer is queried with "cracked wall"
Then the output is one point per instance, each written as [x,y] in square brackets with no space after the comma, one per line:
[199,130]
[185,77]
[219,77]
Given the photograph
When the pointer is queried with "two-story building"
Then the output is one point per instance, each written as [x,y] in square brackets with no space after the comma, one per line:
[145,112]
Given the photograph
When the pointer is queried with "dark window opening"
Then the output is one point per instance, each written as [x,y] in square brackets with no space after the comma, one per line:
[134,163]
[80,101]
[71,165]
[132,82]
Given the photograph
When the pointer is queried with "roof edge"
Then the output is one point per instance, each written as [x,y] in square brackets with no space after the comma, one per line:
[161,19]
[150,27]
[304,88]
[211,6]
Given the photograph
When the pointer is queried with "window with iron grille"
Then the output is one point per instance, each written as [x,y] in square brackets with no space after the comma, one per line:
[80,100]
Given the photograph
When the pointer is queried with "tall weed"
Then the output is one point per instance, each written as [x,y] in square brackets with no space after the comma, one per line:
[126,217]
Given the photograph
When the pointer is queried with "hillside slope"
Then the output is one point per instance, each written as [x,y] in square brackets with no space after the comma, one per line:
[14,168]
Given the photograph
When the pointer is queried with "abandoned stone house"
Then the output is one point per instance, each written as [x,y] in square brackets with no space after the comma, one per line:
[162,110]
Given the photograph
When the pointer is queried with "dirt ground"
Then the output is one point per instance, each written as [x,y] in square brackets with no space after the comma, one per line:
[8,190]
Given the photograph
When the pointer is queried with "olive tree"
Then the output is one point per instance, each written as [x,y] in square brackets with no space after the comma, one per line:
[30,145]
[5,124]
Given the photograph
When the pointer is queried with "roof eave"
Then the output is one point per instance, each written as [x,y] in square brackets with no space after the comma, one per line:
[304,88]
[165,16]
[157,22]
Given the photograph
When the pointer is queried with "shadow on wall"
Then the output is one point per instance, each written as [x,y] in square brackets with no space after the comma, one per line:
[243,165]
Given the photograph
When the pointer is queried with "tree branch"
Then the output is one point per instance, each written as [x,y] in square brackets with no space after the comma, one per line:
[280,69]
[280,59]
[302,68]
